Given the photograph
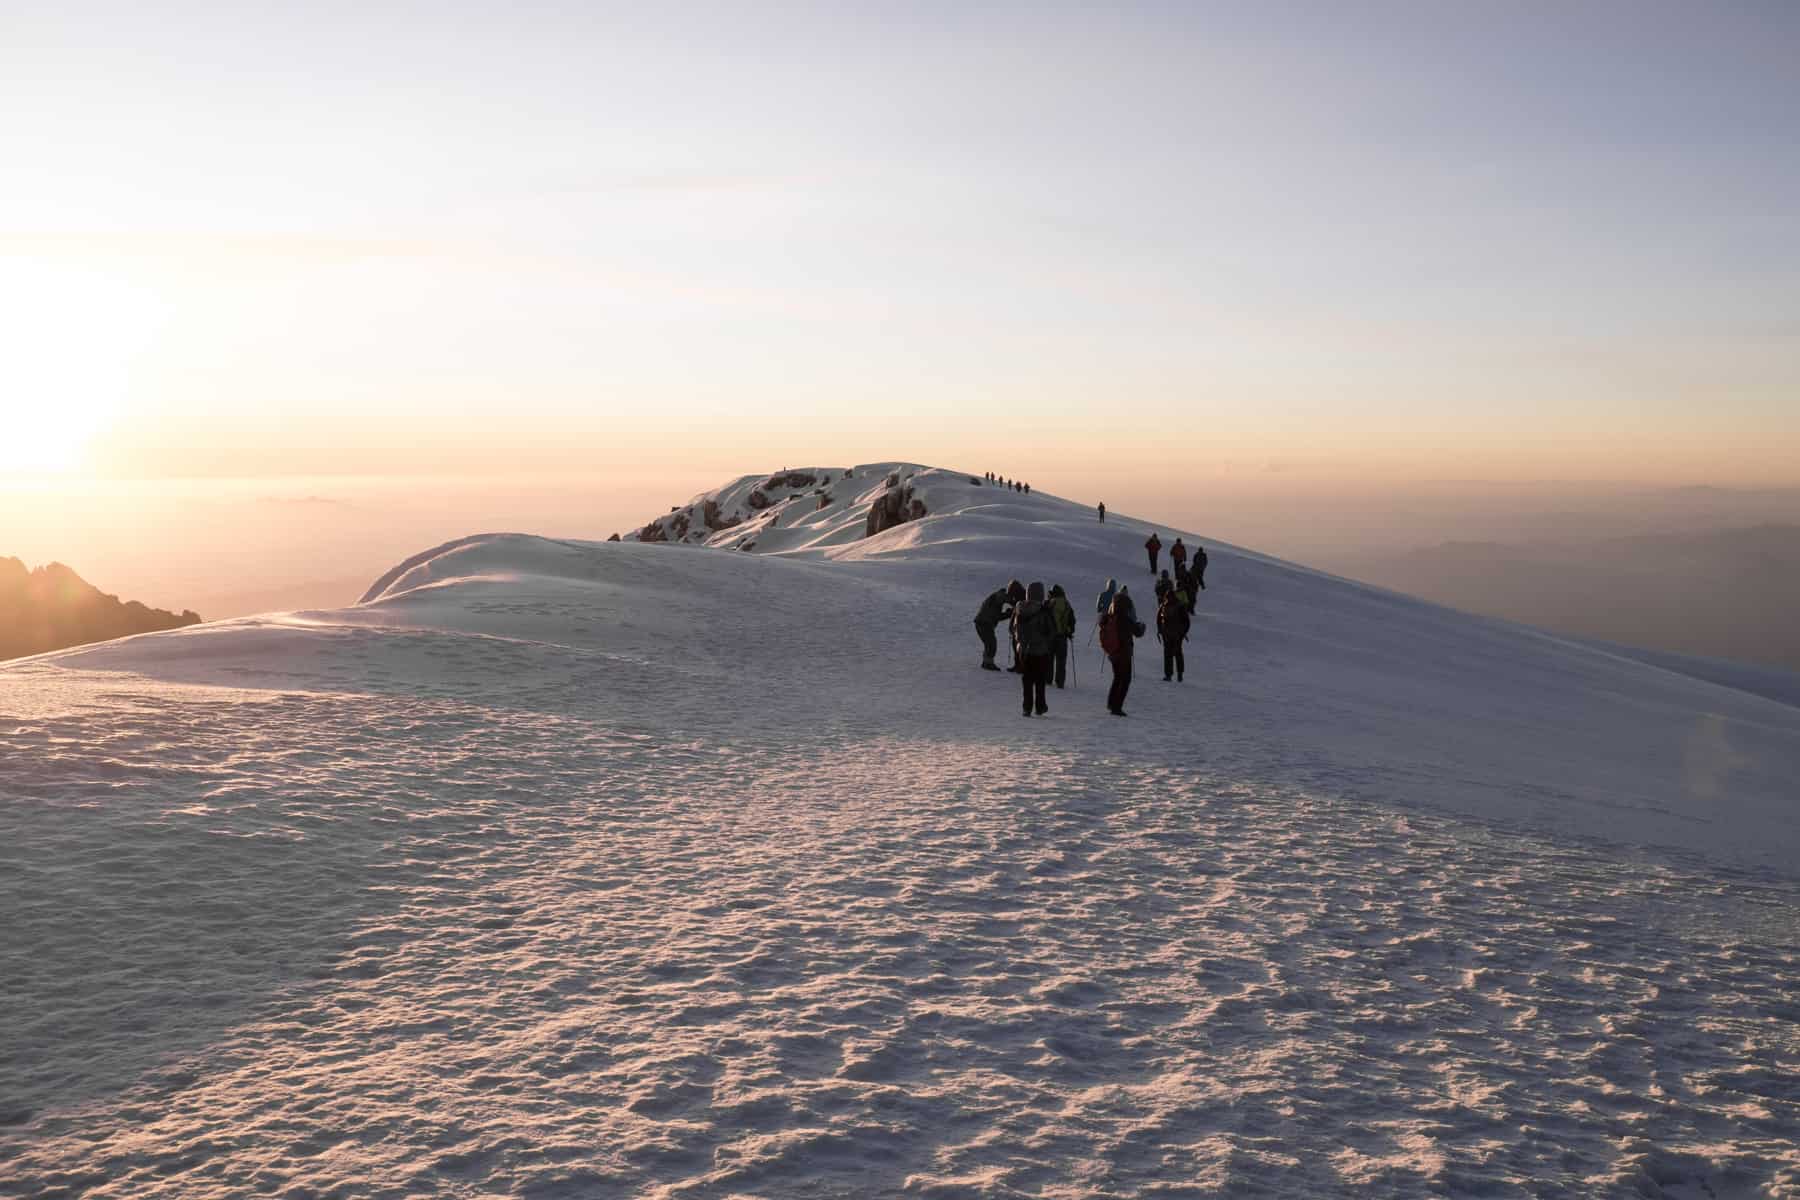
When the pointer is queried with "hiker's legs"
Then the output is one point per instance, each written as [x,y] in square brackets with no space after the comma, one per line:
[1180,662]
[989,647]
[1062,659]
[1171,652]
[1121,666]
[1025,675]
[1040,675]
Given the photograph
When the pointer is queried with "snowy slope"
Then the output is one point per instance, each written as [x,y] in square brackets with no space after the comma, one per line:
[587,869]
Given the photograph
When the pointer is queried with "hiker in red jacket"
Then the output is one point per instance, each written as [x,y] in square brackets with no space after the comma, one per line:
[1153,546]
[1178,555]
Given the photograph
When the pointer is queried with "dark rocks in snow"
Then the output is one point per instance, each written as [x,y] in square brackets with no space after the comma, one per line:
[893,480]
[824,500]
[714,519]
[790,479]
[896,506]
[613,538]
[653,532]
[681,524]
[758,499]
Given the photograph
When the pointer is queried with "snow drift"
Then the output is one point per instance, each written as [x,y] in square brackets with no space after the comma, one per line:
[641,868]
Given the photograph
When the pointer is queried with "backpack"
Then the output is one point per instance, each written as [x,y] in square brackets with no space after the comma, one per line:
[1109,633]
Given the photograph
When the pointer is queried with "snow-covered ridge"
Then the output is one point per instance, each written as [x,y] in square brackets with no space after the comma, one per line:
[576,868]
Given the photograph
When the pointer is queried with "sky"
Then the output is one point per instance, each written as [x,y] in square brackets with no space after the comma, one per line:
[1122,249]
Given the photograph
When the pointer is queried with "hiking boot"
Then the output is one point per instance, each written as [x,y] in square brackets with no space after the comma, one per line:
[1119,712]
[1026,713]
[1042,711]
[989,667]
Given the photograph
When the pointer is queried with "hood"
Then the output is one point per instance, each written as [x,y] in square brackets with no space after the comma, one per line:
[1036,593]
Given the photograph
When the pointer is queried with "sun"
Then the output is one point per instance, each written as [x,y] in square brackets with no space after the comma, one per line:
[74,336]
[52,440]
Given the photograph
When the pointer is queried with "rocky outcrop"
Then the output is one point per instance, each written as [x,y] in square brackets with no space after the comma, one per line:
[53,608]
[790,479]
[758,499]
[653,532]
[896,506]
[714,519]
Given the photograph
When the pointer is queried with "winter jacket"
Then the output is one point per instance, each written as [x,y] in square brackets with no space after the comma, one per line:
[1106,597]
[1034,628]
[1178,553]
[1172,618]
[1125,618]
[993,610]
[1064,612]
[1153,543]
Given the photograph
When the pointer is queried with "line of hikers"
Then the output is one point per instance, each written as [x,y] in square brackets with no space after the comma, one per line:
[1042,628]
[1014,484]
[1189,581]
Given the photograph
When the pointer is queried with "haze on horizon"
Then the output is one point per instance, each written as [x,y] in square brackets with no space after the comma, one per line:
[1274,273]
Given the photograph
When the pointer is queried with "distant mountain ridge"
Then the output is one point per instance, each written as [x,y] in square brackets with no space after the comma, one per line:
[1727,593]
[53,608]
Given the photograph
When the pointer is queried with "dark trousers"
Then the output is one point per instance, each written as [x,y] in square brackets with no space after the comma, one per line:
[1152,555]
[1173,662]
[1060,659]
[1034,673]
[1115,696]
[989,647]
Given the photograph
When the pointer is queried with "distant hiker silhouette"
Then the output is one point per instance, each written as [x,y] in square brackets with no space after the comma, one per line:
[1200,567]
[1172,628]
[1034,632]
[1028,489]
[1119,629]
[1103,512]
[993,610]
[1064,612]
[1178,554]
[1152,546]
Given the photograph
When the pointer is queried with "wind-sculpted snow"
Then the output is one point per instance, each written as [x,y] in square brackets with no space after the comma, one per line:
[585,870]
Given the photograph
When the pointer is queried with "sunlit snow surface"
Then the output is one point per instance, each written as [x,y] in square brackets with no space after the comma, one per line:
[579,869]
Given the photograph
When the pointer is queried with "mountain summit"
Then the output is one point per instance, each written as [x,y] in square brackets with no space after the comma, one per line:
[568,868]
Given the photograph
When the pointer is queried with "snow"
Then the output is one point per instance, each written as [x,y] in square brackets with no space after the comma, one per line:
[563,868]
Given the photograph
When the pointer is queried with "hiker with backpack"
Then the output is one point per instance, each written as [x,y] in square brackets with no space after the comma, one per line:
[1199,567]
[1153,546]
[1119,630]
[1172,625]
[1178,554]
[993,611]
[1164,585]
[1106,598]
[1184,583]
[1064,612]
[1034,632]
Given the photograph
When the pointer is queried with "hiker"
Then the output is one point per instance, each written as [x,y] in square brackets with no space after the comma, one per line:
[1172,626]
[1103,512]
[1184,582]
[1119,630]
[993,611]
[1178,554]
[1065,631]
[1164,585]
[1200,567]
[1106,597]
[1028,489]
[1034,632]
[1152,546]
[1015,594]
